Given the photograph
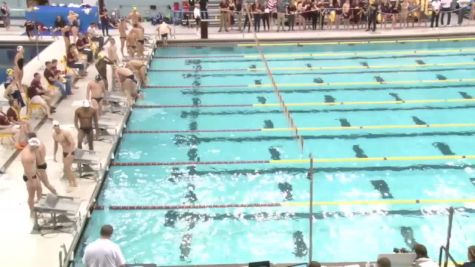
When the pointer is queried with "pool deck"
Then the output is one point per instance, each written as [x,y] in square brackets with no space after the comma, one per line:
[16,225]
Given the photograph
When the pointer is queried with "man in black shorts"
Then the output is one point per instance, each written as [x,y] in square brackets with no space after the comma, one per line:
[84,118]
[41,164]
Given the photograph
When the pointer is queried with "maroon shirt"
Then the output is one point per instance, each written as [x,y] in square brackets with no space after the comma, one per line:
[4,119]
[34,88]
[12,115]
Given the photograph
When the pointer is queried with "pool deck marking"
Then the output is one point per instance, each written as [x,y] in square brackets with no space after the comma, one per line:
[267,85]
[287,204]
[317,104]
[298,161]
[361,42]
[349,67]
[301,129]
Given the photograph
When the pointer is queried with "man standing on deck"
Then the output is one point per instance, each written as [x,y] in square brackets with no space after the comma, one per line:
[66,140]
[41,164]
[28,160]
[84,117]
[103,252]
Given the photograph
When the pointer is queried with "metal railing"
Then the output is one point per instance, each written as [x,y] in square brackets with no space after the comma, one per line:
[448,256]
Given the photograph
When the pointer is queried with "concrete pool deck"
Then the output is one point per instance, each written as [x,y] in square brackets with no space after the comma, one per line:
[15,228]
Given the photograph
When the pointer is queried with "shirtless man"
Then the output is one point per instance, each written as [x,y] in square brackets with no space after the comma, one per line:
[84,117]
[95,93]
[66,140]
[123,34]
[139,68]
[134,16]
[28,160]
[128,84]
[41,164]
[140,33]
[131,43]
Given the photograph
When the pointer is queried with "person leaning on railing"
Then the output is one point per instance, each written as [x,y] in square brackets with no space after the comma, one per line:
[471,257]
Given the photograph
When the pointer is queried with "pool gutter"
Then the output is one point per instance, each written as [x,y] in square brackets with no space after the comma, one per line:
[369,39]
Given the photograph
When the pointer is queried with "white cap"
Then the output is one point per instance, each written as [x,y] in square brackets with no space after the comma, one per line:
[18,48]
[34,141]
[55,123]
[85,103]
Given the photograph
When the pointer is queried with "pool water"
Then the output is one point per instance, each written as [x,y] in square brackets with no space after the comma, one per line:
[208,170]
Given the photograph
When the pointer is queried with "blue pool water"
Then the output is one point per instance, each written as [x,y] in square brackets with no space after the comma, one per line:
[211,124]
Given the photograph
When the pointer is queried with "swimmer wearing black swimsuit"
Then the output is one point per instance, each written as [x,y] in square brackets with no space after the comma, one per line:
[98,99]
[19,62]
[25,178]
[65,154]
[42,166]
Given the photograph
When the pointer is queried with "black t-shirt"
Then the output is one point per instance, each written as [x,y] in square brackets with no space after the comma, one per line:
[48,74]
[203,4]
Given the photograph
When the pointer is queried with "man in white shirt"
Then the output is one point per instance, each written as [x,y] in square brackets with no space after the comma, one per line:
[435,4]
[103,252]
[446,8]
[95,36]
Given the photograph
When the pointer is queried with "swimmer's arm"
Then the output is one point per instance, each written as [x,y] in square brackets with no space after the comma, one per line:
[88,94]
[69,138]
[96,123]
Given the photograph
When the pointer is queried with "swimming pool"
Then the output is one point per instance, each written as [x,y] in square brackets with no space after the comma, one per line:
[209,172]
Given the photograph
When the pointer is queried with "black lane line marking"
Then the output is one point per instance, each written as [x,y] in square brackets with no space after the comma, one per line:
[309,65]
[308,73]
[331,137]
[420,62]
[185,114]
[313,90]
[261,99]
[268,124]
[274,153]
[443,148]
[472,180]
[286,189]
[441,77]
[359,152]
[383,188]
[396,97]
[343,58]
[300,247]
[407,234]
[364,64]
[258,82]
[465,95]
[329,99]
[418,121]
[344,122]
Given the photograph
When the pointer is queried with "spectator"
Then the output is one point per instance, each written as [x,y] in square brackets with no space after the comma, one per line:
[62,75]
[5,12]
[72,59]
[30,27]
[404,14]
[52,79]
[38,95]
[314,264]
[435,4]
[471,257]
[84,47]
[422,259]
[66,140]
[372,15]
[223,15]
[134,16]
[204,9]
[73,22]
[291,11]
[60,25]
[265,18]
[84,118]
[239,14]
[95,36]
[28,160]
[104,22]
[9,127]
[13,115]
[103,252]
[383,262]
[256,11]
[247,12]
[281,9]
[197,15]
[446,8]
[463,7]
